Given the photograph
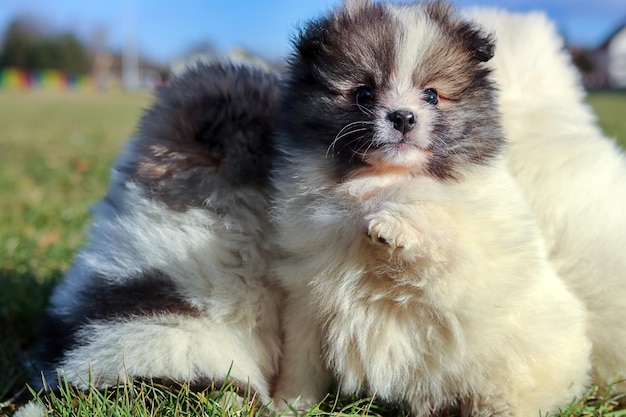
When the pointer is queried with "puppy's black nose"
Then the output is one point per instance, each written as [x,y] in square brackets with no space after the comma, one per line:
[403,120]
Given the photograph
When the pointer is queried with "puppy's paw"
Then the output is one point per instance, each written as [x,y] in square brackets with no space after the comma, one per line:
[385,229]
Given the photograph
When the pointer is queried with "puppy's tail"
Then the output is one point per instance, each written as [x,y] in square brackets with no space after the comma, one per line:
[210,98]
[209,128]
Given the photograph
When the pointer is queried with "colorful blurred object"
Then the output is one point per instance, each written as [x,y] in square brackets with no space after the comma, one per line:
[18,79]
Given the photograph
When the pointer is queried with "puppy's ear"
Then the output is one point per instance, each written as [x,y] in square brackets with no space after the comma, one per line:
[311,39]
[484,45]
[315,35]
[480,44]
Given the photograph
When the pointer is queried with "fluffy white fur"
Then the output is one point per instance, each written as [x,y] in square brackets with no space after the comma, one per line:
[573,176]
[467,310]
[238,332]
[31,409]
[460,307]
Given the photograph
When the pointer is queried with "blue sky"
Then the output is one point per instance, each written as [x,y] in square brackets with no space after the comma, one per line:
[167,28]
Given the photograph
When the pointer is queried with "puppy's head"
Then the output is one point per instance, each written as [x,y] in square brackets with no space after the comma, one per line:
[208,131]
[377,86]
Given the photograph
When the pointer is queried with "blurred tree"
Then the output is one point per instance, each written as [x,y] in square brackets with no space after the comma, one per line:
[25,46]
[75,57]
[17,45]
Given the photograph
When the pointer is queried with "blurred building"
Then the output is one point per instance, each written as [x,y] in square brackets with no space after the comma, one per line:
[611,57]
[109,70]
[604,66]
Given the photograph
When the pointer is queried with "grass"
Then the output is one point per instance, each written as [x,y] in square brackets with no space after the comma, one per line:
[611,109]
[55,153]
[57,149]
[146,399]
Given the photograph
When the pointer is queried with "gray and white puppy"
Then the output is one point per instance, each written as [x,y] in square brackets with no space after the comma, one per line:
[173,282]
[414,267]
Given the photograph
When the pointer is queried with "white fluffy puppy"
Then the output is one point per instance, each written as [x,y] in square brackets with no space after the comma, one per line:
[414,268]
[573,176]
[173,283]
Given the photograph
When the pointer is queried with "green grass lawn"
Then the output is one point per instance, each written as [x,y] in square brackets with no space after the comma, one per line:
[55,153]
[611,110]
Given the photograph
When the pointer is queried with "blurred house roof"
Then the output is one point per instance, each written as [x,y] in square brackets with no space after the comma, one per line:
[612,35]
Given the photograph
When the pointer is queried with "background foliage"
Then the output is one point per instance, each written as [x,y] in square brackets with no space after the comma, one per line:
[28,45]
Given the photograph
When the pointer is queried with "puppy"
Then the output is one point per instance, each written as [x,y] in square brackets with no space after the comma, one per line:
[414,269]
[573,176]
[173,284]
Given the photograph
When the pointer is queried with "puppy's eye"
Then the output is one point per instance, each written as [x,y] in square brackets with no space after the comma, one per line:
[431,96]
[363,95]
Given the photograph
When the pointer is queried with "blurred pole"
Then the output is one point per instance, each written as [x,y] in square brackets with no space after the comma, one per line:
[103,61]
[130,54]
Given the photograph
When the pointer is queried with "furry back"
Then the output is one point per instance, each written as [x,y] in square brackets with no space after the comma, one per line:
[173,283]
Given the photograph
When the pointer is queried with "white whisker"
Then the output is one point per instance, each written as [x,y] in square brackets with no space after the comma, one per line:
[365,110]
[349,129]
[339,137]
[447,147]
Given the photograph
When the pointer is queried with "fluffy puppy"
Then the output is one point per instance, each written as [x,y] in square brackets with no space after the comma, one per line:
[573,176]
[173,283]
[414,268]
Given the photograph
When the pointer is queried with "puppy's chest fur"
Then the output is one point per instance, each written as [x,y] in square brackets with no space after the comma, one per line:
[390,259]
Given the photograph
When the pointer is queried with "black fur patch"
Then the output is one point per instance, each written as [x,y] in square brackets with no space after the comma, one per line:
[151,293]
[208,129]
[102,301]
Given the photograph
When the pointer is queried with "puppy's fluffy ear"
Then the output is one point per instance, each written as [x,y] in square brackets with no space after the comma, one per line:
[484,44]
[311,39]
[315,34]
[480,44]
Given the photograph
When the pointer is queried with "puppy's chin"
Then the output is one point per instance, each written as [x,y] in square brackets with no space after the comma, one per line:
[400,156]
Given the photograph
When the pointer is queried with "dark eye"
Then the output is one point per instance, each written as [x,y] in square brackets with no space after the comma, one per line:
[363,95]
[431,96]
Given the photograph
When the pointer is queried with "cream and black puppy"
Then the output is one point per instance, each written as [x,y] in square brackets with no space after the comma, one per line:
[414,268]
[573,176]
[173,283]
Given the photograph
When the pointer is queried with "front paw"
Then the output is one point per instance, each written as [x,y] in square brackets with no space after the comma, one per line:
[385,229]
